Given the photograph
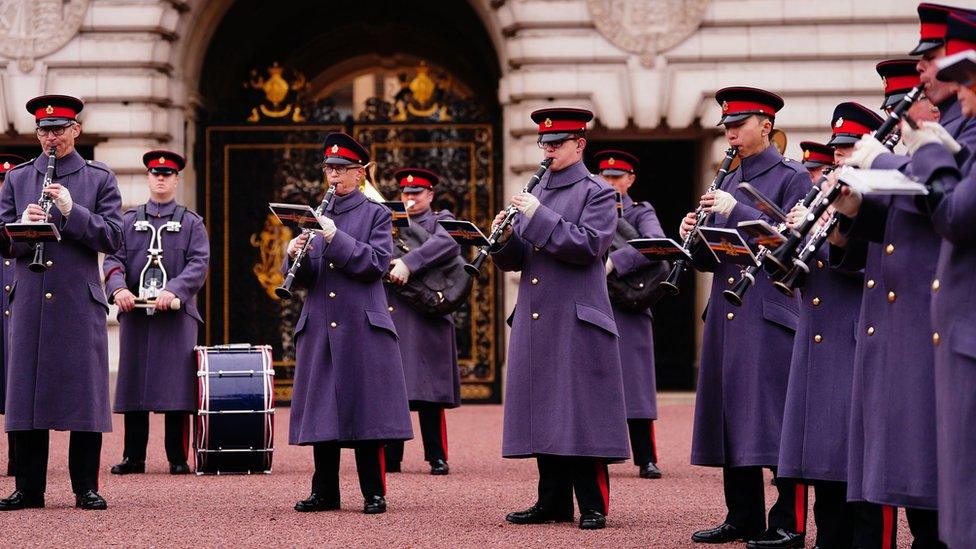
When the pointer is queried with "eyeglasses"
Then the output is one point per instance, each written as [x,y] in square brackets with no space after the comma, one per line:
[554,144]
[339,170]
[57,131]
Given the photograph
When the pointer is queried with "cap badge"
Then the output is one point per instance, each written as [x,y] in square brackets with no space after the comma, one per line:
[839,123]
[410,178]
[806,154]
[612,161]
[162,160]
[6,165]
[725,106]
[49,109]
[334,149]
[547,122]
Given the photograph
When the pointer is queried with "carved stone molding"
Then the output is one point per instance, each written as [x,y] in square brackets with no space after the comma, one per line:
[647,27]
[34,28]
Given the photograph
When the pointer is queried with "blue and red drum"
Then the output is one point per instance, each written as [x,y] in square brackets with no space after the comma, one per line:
[235,421]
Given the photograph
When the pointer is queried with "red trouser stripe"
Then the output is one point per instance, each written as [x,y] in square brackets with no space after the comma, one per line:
[604,483]
[801,508]
[887,525]
[444,433]
[383,467]
[653,443]
[186,436]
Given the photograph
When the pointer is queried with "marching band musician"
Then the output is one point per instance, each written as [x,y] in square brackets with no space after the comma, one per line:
[636,340]
[892,453]
[58,368]
[349,388]
[952,202]
[564,401]
[745,357]
[7,163]
[157,367]
[816,158]
[427,345]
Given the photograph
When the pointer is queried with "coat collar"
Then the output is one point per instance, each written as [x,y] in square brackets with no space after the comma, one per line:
[342,204]
[566,176]
[66,165]
[423,217]
[627,201]
[155,209]
[949,110]
[757,164]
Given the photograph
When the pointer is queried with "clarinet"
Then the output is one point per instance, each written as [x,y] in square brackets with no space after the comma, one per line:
[797,276]
[670,285]
[46,203]
[284,291]
[474,267]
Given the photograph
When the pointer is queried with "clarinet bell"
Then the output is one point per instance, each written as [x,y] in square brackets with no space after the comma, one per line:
[283,293]
[795,279]
[670,284]
[736,294]
[474,268]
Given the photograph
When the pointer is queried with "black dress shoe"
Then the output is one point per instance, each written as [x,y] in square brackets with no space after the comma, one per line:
[374,505]
[592,520]
[315,503]
[90,501]
[392,466]
[19,500]
[179,468]
[776,539]
[650,470]
[723,533]
[439,467]
[128,467]
[538,515]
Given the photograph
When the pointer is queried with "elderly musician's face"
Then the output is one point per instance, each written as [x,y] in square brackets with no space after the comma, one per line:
[346,178]
[564,153]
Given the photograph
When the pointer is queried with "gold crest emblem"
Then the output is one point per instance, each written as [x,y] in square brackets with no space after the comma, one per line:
[839,123]
[6,165]
[806,154]
[410,178]
[725,106]
[612,161]
[334,149]
[162,160]
[49,109]
[547,122]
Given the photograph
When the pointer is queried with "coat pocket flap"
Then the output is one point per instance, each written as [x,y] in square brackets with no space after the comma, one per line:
[780,314]
[596,317]
[382,320]
[963,340]
[300,325]
[98,294]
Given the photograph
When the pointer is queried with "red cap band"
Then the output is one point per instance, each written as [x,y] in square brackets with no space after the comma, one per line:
[415,181]
[733,107]
[954,45]
[817,156]
[551,126]
[851,127]
[163,162]
[54,112]
[896,83]
[5,167]
[932,31]
[615,164]
[336,150]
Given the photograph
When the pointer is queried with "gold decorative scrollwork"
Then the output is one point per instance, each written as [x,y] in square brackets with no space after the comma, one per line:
[280,94]
[270,243]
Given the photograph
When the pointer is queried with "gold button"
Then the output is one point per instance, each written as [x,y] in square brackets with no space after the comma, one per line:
[892,297]
[6,262]
[815,301]
[332,295]
[6,313]
[48,295]
[49,263]
[820,264]
[331,265]
[730,316]
[6,288]
[935,285]
[935,338]
[870,284]
[731,280]
[535,281]
[818,338]
[890,249]
[535,316]
[390,308]
[870,330]
[334,324]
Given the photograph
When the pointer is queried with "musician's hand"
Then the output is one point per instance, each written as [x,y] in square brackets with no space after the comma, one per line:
[399,273]
[687,224]
[928,132]
[61,197]
[848,200]
[498,221]
[609,266]
[34,214]
[164,300]
[865,152]
[796,216]
[526,203]
[125,300]
[328,227]
[297,243]
[718,201]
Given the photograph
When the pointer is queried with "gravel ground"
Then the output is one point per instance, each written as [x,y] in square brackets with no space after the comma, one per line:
[465,509]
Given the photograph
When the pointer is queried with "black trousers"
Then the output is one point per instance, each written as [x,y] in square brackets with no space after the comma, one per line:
[31,448]
[433,431]
[876,527]
[833,515]
[745,499]
[560,476]
[642,441]
[369,464]
[11,470]
[176,437]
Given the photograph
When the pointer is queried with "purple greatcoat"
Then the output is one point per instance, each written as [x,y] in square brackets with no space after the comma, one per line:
[636,340]
[348,375]
[745,356]
[818,398]
[57,376]
[954,320]
[157,365]
[427,344]
[7,270]
[564,389]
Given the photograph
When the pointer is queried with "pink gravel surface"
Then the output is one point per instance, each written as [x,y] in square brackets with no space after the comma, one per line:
[465,509]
